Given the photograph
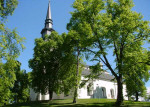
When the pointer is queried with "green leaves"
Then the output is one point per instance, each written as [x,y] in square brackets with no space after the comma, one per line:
[10,44]
[7,80]
[20,90]
[103,25]
[53,64]
[10,47]
[7,8]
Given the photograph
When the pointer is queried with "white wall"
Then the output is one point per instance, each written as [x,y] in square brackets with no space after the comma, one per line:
[82,93]
[55,96]
[98,84]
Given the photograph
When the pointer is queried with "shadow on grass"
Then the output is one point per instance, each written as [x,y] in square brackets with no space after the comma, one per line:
[80,103]
[39,104]
[29,104]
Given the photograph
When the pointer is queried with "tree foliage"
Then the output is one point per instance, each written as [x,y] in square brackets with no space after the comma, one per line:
[20,91]
[104,25]
[10,46]
[53,65]
[7,7]
[74,41]
[137,73]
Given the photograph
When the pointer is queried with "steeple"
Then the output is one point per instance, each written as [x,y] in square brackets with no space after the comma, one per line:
[48,11]
[48,23]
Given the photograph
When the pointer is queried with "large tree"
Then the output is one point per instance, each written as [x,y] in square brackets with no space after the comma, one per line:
[10,45]
[105,25]
[53,65]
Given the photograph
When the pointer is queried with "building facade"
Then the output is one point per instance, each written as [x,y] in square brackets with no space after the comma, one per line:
[104,87]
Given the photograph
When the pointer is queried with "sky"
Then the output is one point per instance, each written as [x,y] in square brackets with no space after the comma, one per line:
[30,15]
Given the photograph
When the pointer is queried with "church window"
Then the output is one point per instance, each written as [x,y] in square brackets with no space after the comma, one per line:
[90,89]
[103,92]
[112,93]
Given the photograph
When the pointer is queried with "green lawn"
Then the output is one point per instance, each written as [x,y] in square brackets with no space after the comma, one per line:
[81,103]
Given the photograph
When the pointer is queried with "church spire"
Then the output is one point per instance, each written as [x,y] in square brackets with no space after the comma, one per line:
[48,23]
[48,11]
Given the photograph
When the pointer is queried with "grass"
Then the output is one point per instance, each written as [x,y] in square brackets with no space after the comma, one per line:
[81,103]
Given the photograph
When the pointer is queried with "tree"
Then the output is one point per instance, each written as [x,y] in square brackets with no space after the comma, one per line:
[73,39]
[53,65]
[20,91]
[105,25]
[7,7]
[139,87]
[137,73]
[10,46]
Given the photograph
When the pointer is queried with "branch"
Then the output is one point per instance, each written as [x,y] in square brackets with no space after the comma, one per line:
[101,48]
[95,54]
[106,60]
[116,51]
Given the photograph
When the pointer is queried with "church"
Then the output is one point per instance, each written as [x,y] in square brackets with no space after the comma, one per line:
[104,87]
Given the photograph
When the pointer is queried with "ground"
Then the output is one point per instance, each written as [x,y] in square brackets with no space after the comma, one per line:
[81,103]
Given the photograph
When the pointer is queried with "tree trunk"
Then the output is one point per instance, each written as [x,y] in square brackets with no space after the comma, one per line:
[77,74]
[17,99]
[129,98]
[75,95]
[120,92]
[50,95]
[137,96]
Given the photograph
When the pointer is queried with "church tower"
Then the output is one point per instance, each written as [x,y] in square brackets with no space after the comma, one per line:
[48,23]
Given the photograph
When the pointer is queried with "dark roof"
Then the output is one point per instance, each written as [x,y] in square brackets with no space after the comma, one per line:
[103,76]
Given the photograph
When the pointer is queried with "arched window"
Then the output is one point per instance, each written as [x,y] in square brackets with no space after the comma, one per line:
[112,93]
[90,89]
[104,92]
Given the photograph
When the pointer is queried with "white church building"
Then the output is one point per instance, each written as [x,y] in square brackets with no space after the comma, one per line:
[104,87]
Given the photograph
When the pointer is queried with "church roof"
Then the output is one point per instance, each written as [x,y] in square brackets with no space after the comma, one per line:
[104,75]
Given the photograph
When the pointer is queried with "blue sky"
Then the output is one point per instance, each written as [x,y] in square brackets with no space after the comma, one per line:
[29,18]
